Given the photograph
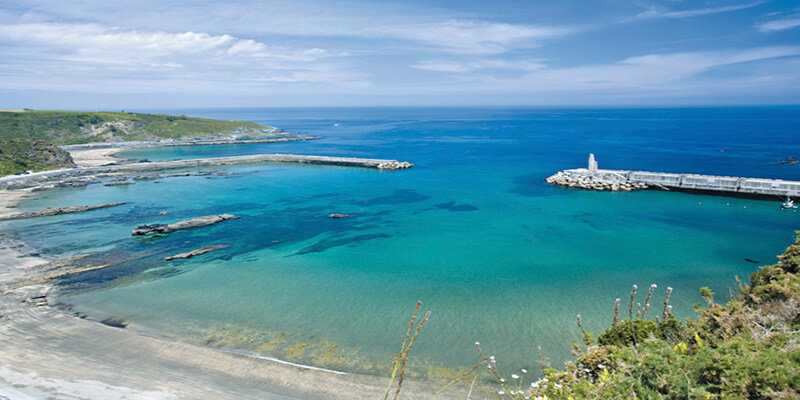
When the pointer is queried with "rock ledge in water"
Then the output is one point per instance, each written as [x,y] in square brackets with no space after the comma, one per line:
[154,229]
[197,252]
[57,211]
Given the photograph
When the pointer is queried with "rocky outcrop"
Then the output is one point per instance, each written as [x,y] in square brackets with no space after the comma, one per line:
[120,182]
[46,153]
[393,165]
[197,252]
[57,211]
[337,216]
[155,229]
[593,182]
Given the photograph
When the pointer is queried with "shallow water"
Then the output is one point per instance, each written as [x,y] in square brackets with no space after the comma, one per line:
[472,230]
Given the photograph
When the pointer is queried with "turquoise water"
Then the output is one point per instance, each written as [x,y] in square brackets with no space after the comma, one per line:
[472,230]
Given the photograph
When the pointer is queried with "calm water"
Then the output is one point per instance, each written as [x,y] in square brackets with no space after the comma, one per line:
[472,230]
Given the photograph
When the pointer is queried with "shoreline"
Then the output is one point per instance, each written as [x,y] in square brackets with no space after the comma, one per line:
[97,154]
[52,353]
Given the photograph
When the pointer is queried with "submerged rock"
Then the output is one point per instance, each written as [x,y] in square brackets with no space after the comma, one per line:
[120,182]
[337,216]
[197,252]
[154,229]
[57,211]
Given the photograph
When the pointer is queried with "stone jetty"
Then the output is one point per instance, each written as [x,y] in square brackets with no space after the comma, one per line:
[593,178]
[57,177]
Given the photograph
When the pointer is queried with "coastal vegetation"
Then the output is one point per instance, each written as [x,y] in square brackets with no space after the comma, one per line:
[29,138]
[748,348]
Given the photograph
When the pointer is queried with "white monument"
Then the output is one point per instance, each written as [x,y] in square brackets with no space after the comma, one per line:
[592,163]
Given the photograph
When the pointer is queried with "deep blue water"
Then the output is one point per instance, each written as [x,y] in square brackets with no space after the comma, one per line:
[472,230]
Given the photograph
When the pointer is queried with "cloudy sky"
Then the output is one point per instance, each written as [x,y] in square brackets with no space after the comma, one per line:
[179,54]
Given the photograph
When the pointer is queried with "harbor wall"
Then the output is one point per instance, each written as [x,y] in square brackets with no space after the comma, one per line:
[604,179]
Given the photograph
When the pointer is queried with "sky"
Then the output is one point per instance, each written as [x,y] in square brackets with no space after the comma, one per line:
[86,54]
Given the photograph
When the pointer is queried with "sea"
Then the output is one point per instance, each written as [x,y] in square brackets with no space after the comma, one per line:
[472,231]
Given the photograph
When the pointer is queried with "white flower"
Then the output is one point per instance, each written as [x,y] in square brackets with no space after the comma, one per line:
[535,385]
[524,371]
[653,286]
[545,380]
[502,380]
[600,366]
[514,376]
[477,343]
[501,392]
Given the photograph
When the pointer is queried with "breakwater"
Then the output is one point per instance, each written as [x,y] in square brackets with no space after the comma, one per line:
[593,178]
[45,177]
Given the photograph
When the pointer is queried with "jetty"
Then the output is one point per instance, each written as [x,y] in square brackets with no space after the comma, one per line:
[40,178]
[593,178]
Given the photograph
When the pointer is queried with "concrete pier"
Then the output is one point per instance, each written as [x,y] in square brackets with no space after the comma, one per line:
[607,179]
[39,178]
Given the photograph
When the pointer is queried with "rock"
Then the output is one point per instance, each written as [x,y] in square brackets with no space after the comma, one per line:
[148,177]
[163,213]
[154,229]
[197,252]
[393,165]
[57,211]
[120,182]
[337,216]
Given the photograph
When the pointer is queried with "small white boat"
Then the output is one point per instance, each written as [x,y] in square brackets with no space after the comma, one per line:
[336,124]
[788,204]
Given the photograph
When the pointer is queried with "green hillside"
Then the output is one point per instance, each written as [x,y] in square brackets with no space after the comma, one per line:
[79,127]
[28,138]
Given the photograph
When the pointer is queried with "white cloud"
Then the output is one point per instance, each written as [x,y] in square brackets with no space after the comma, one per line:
[653,70]
[659,13]
[477,65]
[84,55]
[779,24]
[471,37]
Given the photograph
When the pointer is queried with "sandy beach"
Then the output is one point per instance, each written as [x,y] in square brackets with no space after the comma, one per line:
[94,157]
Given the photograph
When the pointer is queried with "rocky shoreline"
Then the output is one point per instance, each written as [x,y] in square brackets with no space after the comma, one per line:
[593,182]
[277,137]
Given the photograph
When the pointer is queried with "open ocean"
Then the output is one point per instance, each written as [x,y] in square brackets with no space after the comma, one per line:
[473,231]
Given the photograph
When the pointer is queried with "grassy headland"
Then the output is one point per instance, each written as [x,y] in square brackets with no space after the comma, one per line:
[28,138]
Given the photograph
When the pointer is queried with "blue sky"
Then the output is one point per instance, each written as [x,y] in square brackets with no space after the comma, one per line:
[178,54]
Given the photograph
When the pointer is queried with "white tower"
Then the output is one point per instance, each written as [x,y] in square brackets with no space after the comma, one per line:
[592,163]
